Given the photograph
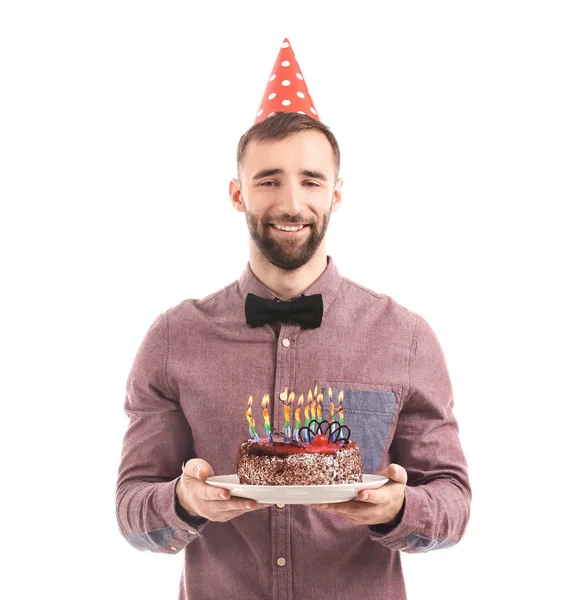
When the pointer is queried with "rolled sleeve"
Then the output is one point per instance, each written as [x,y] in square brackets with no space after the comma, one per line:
[427,445]
[157,442]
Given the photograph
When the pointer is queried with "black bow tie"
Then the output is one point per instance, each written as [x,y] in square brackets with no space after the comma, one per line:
[306,310]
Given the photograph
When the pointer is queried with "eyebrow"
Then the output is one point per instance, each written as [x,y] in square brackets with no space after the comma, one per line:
[305,172]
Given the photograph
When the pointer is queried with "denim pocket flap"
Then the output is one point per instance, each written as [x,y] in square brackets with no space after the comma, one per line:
[368,414]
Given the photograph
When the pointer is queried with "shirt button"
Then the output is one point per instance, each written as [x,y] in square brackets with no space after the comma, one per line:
[283,396]
[285,342]
[280,505]
[173,547]
[281,561]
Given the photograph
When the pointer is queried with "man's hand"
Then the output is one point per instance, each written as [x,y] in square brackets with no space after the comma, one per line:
[200,499]
[374,507]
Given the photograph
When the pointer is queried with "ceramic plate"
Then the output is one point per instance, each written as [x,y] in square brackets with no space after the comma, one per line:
[296,494]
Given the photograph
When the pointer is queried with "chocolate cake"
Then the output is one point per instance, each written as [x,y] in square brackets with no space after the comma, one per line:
[319,462]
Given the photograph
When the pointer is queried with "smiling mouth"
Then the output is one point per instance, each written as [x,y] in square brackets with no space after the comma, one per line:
[289,228]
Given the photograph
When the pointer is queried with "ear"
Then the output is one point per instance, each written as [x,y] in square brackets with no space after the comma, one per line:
[235,195]
[337,195]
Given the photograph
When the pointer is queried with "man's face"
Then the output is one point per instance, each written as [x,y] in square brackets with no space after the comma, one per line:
[287,191]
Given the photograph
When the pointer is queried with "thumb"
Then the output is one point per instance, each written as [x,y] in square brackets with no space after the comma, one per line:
[198,469]
[397,473]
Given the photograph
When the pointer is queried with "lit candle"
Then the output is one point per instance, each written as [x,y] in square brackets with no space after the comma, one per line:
[265,404]
[332,405]
[319,408]
[251,421]
[306,421]
[297,417]
[316,390]
[312,404]
[341,416]
[289,402]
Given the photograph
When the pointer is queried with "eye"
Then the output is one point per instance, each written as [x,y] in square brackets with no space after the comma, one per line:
[312,184]
[268,183]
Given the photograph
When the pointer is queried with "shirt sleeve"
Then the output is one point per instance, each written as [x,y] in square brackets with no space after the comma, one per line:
[155,447]
[426,443]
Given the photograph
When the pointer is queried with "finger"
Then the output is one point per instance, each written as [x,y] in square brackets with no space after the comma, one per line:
[350,510]
[198,469]
[378,496]
[397,473]
[232,514]
[350,507]
[210,492]
[237,505]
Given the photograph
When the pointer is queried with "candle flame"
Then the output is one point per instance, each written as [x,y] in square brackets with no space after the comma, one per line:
[341,397]
[319,398]
[330,393]
[251,420]
[266,401]
[301,400]
[316,390]
[291,398]
[309,396]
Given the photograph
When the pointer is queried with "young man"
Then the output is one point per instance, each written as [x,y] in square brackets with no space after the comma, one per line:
[200,361]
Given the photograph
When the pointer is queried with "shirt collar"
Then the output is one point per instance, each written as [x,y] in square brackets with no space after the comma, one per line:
[327,284]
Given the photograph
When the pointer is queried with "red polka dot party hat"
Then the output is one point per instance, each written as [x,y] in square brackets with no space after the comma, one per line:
[286,90]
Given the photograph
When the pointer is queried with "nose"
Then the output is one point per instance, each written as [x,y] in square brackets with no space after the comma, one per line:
[289,201]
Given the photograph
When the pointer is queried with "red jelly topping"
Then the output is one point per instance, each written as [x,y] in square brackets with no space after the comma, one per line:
[320,439]
[265,448]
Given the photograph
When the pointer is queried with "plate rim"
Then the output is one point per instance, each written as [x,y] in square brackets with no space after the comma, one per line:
[251,487]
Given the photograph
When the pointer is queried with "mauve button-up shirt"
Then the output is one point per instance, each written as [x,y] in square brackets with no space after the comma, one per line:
[187,395]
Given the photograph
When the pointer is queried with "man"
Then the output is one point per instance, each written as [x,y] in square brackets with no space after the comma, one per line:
[200,360]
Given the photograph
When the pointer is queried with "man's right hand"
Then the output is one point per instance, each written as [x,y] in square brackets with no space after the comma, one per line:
[200,499]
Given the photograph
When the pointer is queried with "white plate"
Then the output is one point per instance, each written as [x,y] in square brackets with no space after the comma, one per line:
[296,494]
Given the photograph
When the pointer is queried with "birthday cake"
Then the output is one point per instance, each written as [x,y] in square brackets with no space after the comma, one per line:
[320,453]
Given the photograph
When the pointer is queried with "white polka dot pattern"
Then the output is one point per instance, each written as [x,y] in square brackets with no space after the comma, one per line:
[286,88]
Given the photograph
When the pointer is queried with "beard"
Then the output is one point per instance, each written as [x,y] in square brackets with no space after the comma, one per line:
[287,254]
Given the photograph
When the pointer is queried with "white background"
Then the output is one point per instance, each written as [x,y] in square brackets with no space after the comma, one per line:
[461,130]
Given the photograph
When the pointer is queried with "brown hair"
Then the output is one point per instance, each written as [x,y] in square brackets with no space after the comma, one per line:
[282,125]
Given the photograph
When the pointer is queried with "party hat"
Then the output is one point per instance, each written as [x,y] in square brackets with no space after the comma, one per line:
[286,90]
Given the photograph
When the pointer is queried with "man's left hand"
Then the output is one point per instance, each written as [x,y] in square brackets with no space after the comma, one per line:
[374,507]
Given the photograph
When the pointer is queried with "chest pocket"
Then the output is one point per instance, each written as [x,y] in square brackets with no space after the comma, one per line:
[368,414]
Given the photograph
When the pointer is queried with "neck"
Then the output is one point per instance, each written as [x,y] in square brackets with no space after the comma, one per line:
[284,283]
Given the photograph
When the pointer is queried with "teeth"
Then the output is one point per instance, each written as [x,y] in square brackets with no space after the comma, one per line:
[288,228]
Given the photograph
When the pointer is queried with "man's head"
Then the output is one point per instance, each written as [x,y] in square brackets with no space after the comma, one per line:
[287,166]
